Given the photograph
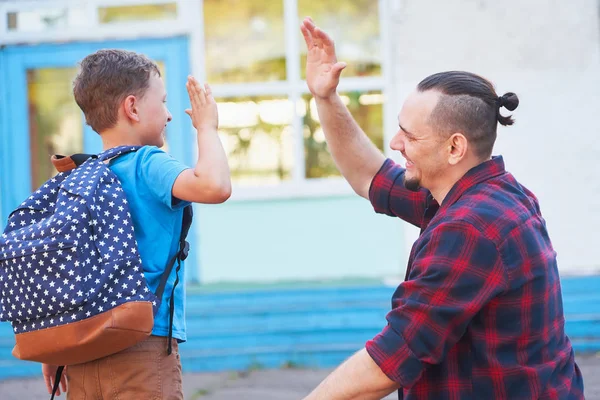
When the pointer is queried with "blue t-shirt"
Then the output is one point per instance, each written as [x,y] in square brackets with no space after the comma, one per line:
[147,177]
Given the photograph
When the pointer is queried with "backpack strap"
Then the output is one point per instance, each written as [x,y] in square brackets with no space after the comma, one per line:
[116,151]
[59,372]
[182,253]
[67,163]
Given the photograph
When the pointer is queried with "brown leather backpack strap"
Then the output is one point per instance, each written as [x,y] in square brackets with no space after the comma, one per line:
[63,163]
[67,163]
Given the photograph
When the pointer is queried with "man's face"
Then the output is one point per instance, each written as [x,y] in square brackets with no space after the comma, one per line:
[153,113]
[422,147]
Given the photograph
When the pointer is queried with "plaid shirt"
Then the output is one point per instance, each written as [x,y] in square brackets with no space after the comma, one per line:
[480,314]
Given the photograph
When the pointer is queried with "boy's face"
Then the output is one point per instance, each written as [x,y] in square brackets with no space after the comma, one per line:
[153,113]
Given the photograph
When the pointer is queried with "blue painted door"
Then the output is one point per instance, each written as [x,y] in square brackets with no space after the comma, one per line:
[39,117]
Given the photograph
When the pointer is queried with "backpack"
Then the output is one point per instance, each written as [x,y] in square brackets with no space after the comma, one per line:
[71,278]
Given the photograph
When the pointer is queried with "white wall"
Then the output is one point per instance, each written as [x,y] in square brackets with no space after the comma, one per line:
[548,52]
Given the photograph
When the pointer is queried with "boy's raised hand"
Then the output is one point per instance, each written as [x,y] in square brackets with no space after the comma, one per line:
[204,112]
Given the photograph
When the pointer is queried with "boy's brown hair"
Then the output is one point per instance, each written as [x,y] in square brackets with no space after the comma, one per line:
[105,79]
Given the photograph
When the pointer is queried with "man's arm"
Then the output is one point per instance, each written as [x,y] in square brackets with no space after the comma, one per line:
[354,154]
[455,275]
[209,181]
[357,378]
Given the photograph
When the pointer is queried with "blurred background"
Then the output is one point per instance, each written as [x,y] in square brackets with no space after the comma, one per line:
[295,269]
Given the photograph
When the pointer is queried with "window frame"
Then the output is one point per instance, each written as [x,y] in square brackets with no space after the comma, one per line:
[294,87]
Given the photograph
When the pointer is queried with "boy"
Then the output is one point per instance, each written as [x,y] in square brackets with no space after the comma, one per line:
[123,98]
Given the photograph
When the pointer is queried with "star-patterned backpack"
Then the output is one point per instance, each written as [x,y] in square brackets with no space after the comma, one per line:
[71,278]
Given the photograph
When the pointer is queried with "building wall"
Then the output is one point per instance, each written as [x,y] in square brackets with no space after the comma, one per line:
[298,239]
[548,52]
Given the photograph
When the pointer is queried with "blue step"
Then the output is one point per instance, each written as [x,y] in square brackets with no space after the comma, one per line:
[309,327]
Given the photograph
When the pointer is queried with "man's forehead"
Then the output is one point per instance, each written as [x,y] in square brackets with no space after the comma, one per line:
[421,101]
[418,106]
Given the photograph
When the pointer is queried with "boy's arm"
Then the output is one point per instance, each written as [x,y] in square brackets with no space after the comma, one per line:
[209,180]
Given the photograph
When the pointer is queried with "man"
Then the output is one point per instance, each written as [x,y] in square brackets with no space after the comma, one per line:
[479,315]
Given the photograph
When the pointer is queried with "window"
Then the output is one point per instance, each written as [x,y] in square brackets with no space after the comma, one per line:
[256,56]
[367,110]
[139,12]
[253,55]
[248,45]
[257,137]
[45,19]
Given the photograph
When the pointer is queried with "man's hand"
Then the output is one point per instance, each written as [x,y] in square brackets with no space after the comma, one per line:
[322,68]
[49,372]
[204,112]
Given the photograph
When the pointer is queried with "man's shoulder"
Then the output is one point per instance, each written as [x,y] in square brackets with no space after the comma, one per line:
[494,208]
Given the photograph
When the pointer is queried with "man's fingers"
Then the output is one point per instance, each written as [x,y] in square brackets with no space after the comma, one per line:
[326,42]
[188,111]
[336,70]
[307,36]
[309,24]
[207,90]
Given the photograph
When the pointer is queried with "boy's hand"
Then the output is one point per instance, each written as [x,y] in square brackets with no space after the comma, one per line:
[204,107]
[49,372]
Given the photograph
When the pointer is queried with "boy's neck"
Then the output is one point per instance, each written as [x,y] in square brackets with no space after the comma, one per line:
[116,137]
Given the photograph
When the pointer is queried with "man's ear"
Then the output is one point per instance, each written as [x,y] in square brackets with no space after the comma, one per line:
[458,146]
[130,108]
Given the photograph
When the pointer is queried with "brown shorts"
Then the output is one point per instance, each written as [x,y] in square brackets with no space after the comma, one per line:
[143,371]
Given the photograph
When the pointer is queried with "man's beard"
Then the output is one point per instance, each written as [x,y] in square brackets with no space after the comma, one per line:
[411,184]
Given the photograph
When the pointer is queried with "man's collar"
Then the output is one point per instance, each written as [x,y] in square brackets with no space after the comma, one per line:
[480,173]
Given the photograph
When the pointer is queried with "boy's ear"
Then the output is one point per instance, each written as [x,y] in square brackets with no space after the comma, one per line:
[130,108]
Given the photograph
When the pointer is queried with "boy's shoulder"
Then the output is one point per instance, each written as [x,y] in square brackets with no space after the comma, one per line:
[149,161]
[152,171]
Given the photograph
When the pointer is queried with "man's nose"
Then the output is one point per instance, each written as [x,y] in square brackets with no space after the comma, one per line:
[397,142]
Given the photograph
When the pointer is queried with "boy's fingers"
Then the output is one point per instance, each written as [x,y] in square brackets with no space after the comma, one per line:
[199,91]
[196,91]
[48,384]
[188,112]
[207,89]
[189,85]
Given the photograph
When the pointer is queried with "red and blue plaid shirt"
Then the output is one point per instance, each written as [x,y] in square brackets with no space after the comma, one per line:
[480,314]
